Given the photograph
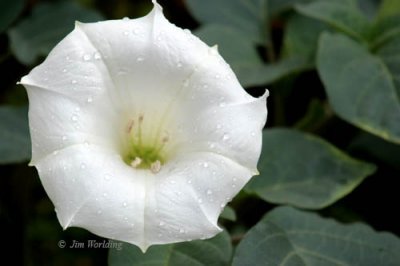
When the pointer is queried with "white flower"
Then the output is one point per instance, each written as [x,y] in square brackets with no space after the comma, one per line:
[140,131]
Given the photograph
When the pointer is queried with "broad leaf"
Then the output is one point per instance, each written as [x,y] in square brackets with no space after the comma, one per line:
[214,251]
[342,15]
[389,8]
[15,145]
[241,54]
[301,37]
[228,213]
[248,17]
[286,236]
[362,88]
[305,171]
[49,23]
[9,11]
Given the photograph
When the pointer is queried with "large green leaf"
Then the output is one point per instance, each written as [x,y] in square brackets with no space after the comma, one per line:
[249,17]
[302,170]
[214,251]
[15,143]
[241,54]
[389,8]
[286,236]
[301,37]
[342,15]
[9,10]
[362,88]
[276,7]
[49,23]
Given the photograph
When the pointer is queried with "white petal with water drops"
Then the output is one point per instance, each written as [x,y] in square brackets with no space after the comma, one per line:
[141,132]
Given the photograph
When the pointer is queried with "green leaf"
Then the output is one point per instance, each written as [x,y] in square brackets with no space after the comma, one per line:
[362,88]
[9,11]
[258,75]
[389,8]
[241,54]
[15,145]
[228,213]
[248,17]
[214,251]
[233,47]
[38,34]
[342,15]
[304,171]
[301,37]
[286,236]
[276,7]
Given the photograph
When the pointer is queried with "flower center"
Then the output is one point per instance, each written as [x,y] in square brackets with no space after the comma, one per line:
[143,150]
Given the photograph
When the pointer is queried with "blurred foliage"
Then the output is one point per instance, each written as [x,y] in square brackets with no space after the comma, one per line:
[331,143]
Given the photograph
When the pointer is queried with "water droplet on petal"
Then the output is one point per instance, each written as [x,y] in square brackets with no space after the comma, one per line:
[86,57]
[187,31]
[126,33]
[74,81]
[140,59]
[161,223]
[74,118]
[205,165]
[209,192]
[124,204]
[64,70]
[89,99]
[64,138]
[107,177]
[179,65]
[83,165]
[200,201]
[189,181]
[99,212]
[226,137]
[125,18]
[181,231]
[97,56]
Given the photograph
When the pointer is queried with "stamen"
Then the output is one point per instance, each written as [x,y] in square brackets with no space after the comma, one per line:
[136,162]
[155,167]
[129,126]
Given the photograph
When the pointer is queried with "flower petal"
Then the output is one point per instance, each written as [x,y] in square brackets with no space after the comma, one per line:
[87,183]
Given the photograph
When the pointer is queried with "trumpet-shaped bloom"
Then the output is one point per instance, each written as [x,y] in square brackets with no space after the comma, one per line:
[140,131]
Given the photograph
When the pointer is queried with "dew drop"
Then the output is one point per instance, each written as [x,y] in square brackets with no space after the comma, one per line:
[205,165]
[253,133]
[179,65]
[83,165]
[181,231]
[97,56]
[187,31]
[64,138]
[209,192]
[89,99]
[219,126]
[126,33]
[124,204]
[222,104]
[161,223]
[64,70]
[86,57]
[212,145]
[107,177]
[189,181]
[125,218]
[105,195]
[140,59]
[125,18]
[200,201]
[225,137]
[74,81]
[74,118]
[99,212]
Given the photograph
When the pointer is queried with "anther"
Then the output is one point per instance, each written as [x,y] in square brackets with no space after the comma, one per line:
[155,167]
[136,162]
[129,126]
